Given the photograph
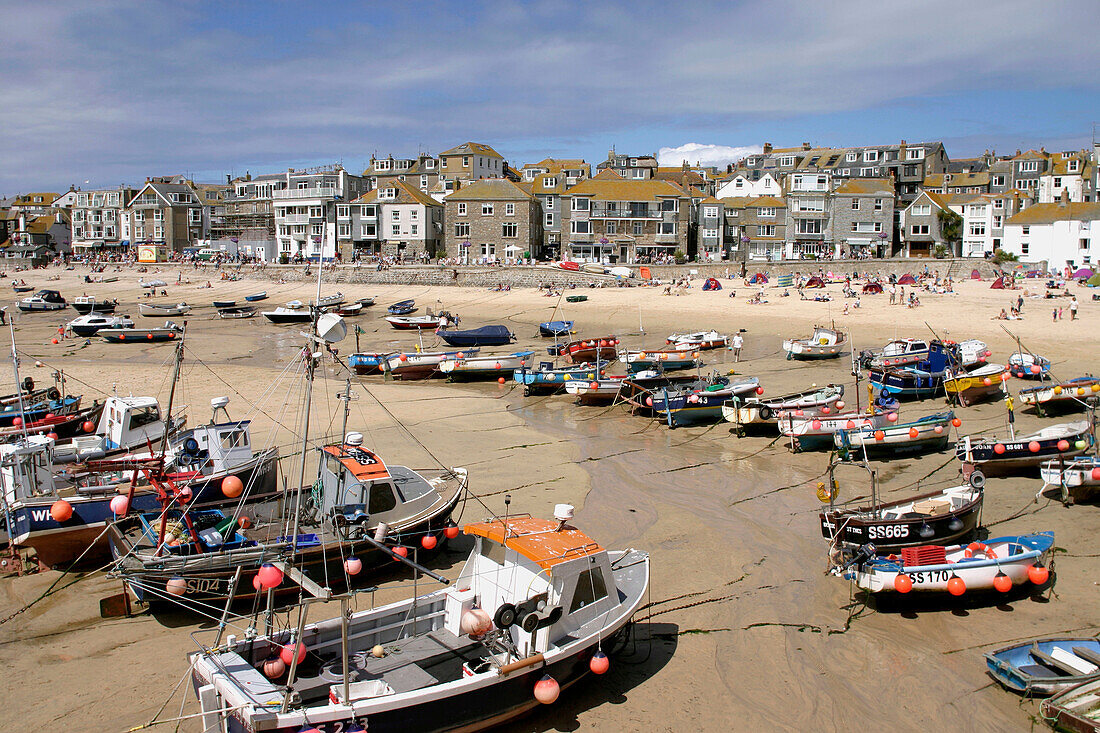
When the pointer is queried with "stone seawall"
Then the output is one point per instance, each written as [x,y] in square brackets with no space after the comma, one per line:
[534,276]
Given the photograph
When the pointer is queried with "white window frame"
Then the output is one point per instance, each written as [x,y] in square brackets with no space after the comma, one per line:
[487,209]
[509,209]
[462,209]
[914,154]
[870,156]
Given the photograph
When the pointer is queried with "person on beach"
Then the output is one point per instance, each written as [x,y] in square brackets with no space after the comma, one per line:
[1073,309]
[736,344]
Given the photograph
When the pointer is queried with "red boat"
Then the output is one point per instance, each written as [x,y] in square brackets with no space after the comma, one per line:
[586,350]
[571,266]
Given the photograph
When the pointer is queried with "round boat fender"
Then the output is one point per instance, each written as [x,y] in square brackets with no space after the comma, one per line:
[976,547]
[53,394]
[977,479]
[765,412]
[505,616]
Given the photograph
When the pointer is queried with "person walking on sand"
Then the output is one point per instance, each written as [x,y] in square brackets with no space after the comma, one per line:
[1073,309]
[1054,316]
[737,343]
[893,294]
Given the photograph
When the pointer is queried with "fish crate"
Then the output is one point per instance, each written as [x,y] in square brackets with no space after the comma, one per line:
[924,555]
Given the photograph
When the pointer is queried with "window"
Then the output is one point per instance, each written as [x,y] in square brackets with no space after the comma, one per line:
[395,215]
[510,230]
[867,227]
[580,227]
[580,204]
[369,230]
[914,154]
[845,171]
[666,227]
[767,212]
[998,180]
[870,156]
[878,204]
[549,220]
[855,204]
[368,211]
[395,230]
[1029,166]
[851,157]
[977,228]
[344,231]
[1025,230]
[866,172]
[1023,248]
[343,211]
[423,182]
[462,229]
[551,202]
[809,226]
[639,228]
[387,193]
[413,229]
[488,250]
[710,212]
[921,210]
[382,165]
[158,215]
[414,215]
[316,229]
[611,227]
[1073,166]
[919,229]
[315,212]
[766,230]
[1083,243]
[786,160]
[158,232]
[462,209]
[509,209]
[465,161]
[710,234]
[590,588]
[977,210]
[811,204]
[998,221]
[486,209]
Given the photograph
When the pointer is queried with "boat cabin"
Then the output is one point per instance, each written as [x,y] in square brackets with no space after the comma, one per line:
[904,347]
[549,576]
[824,337]
[130,422]
[26,469]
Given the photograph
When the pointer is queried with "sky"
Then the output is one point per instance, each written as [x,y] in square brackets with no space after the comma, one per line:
[110,92]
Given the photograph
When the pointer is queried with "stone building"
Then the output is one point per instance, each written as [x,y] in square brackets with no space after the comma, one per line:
[99,221]
[471,162]
[549,179]
[863,216]
[490,220]
[167,215]
[396,220]
[755,227]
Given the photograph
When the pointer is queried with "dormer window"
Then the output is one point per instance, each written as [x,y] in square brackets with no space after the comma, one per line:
[1073,166]
[382,165]
[852,157]
[869,156]
[387,193]
[914,154]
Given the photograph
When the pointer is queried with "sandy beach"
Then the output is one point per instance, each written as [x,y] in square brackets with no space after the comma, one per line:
[744,630]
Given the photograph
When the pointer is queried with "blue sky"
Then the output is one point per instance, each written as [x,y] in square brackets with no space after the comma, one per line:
[114,91]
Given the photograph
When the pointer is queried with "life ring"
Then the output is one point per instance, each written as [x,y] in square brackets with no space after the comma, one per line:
[981,547]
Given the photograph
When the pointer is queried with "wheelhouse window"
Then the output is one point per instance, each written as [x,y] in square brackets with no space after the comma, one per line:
[382,498]
[590,588]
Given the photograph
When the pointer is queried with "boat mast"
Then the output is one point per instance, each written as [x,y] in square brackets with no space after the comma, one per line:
[172,391]
[18,386]
[310,367]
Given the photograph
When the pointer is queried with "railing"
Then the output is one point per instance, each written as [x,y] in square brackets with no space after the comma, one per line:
[626,213]
[293,219]
[316,192]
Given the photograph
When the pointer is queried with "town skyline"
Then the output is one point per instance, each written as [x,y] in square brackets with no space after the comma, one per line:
[120,91]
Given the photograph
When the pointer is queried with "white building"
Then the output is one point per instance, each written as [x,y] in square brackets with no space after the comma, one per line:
[742,185]
[1063,234]
[1070,172]
[306,210]
[99,220]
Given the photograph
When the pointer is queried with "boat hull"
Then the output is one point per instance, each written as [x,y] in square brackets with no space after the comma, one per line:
[888,534]
[1016,669]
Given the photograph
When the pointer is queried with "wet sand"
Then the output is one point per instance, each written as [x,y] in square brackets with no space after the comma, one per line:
[745,630]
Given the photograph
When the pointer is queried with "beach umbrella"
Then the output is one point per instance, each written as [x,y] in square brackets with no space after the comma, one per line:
[1083,274]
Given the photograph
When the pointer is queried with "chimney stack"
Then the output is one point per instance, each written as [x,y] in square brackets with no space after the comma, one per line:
[806,146]
[767,148]
[1063,198]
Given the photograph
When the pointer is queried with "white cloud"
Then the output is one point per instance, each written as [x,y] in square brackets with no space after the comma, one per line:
[705,154]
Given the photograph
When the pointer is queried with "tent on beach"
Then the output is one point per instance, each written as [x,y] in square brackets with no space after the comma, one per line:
[907,279]
[872,288]
[758,279]
[712,284]
[1094,281]
[1083,274]
[998,284]
[975,275]
[814,282]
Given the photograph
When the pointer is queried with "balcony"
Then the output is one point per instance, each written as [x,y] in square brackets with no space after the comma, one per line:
[315,192]
[664,238]
[294,219]
[603,212]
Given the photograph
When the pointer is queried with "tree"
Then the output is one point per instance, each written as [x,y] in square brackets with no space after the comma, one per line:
[950,228]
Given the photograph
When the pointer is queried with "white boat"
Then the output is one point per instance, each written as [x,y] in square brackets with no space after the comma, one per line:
[701,340]
[152,283]
[524,621]
[290,314]
[824,343]
[900,352]
[1068,395]
[1024,365]
[421,364]
[601,391]
[153,310]
[481,366]
[327,301]
[88,325]
[761,410]
[808,432]
[43,300]
[410,323]
[1078,478]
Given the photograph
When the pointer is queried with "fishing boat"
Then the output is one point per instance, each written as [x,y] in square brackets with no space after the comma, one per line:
[483,366]
[533,608]
[762,410]
[1043,667]
[641,389]
[402,308]
[152,283]
[168,332]
[586,350]
[43,300]
[700,401]
[824,343]
[416,323]
[244,311]
[153,310]
[219,304]
[1069,396]
[90,324]
[421,364]
[576,298]
[546,379]
[555,329]
[929,433]
[902,352]
[31,412]
[815,432]
[349,309]
[989,456]
[919,379]
[969,387]
[697,341]
[1000,563]
[294,312]
[484,336]
[669,361]
[256,297]
[125,424]
[1078,479]
[602,391]
[938,517]
[373,362]
[1076,709]
[1025,365]
[85,304]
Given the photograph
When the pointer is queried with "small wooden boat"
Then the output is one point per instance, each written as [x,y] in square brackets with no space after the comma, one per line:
[1024,365]
[601,391]
[824,343]
[366,302]
[402,308]
[938,569]
[255,297]
[43,300]
[62,426]
[153,310]
[697,341]
[219,304]
[916,380]
[86,304]
[1047,666]
[594,268]
[350,309]
[90,324]
[1076,709]
[1061,397]
[929,433]
[484,336]
[168,332]
[1078,478]
[810,432]
[990,456]
[328,301]
[152,284]
[576,298]
[41,409]
[467,367]
[938,517]
[669,361]
[111,279]
[289,314]
[554,329]
[586,350]
[368,362]
[22,288]
[762,410]
[416,323]
[699,402]
[967,388]
[244,311]
[421,364]
[902,352]
[545,379]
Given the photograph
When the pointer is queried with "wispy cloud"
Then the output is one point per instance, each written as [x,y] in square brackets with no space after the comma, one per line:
[705,154]
[118,90]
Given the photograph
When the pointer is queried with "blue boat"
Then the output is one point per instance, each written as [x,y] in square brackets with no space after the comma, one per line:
[700,401]
[484,336]
[39,410]
[368,363]
[256,297]
[402,308]
[929,433]
[1045,666]
[919,380]
[554,329]
[548,380]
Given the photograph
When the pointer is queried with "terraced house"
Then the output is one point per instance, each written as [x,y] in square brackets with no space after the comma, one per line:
[863,216]
[99,222]
[166,215]
[491,220]
[611,219]
[310,208]
[755,228]
[549,179]
[470,162]
[422,172]
[396,220]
